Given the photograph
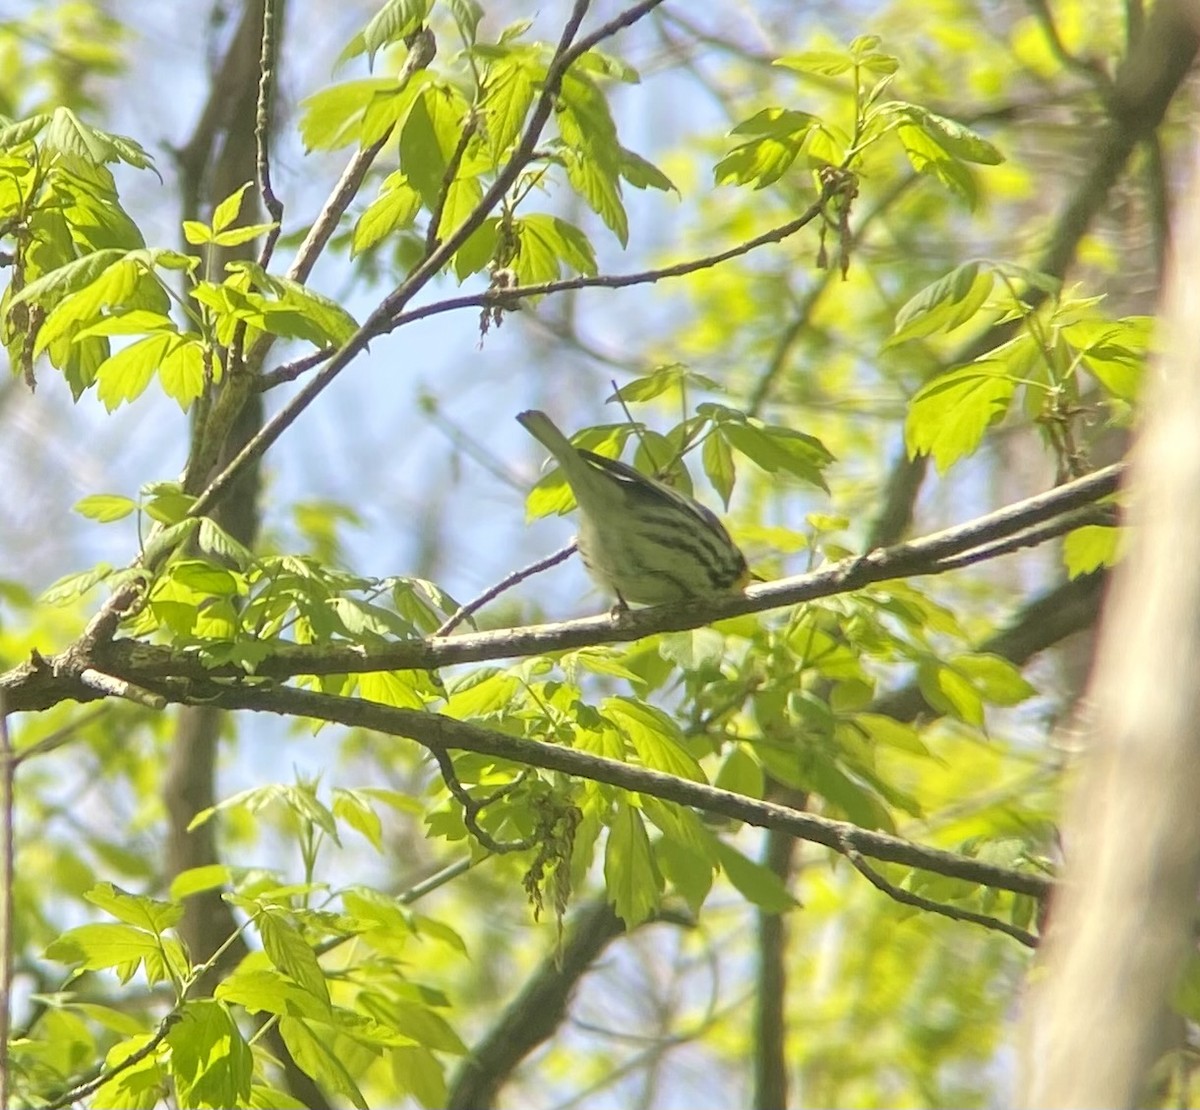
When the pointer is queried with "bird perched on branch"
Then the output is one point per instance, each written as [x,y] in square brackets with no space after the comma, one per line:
[641,540]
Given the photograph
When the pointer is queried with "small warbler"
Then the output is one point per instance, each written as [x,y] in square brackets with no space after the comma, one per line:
[641,540]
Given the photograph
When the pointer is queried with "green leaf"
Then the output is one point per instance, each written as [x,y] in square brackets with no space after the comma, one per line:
[591,154]
[950,692]
[270,1098]
[264,990]
[297,311]
[741,773]
[396,688]
[234,237]
[945,304]
[418,1022]
[756,883]
[642,174]
[689,871]
[133,909]
[212,539]
[196,880]
[1114,352]
[72,586]
[481,693]
[205,578]
[396,20]
[1093,546]
[125,376]
[210,1061]
[103,945]
[823,63]
[948,417]
[674,378]
[607,65]
[69,278]
[119,1021]
[717,458]
[429,138]
[997,680]
[291,954]
[332,118]
[390,107]
[419,1072]
[477,251]
[462,198]
[780,123]
[68,134]
[133,1086]
[316,1055]
[105,507]
[163,541]
[395,208]
[358,813]
[508,87]
[630,873]
[599,186]
[655,737]
[544,243]
[927,156]
[197,233]
[780,137]
[181,373]
[227,211]
[467,14]
[775,448]
[895,734]
[951,136]
[694,649]
[137,321]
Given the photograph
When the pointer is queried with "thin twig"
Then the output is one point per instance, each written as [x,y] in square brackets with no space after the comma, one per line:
[435,881]
[290,371]
[407,897]
[262,133]
[105,1074]
[58,738]
[421,52]
[473,807]
[432,241]
[507,583]
[1086,67]
[908,898]
[489,298]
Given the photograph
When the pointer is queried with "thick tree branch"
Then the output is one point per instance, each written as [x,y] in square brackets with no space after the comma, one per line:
[43,682]
[262,133]
[433,731]
[535,1013]
[770,1055]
